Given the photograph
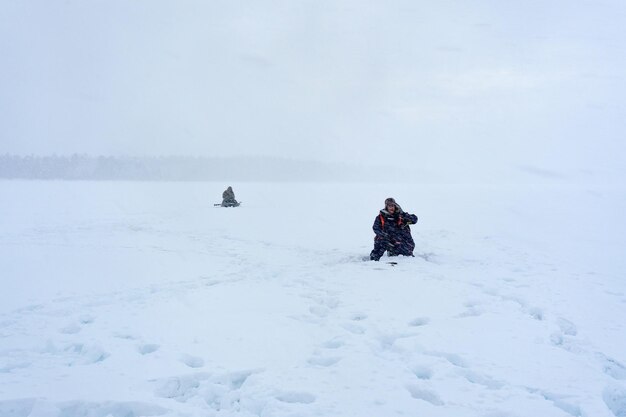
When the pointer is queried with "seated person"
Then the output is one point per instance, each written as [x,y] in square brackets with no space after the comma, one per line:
[228,198]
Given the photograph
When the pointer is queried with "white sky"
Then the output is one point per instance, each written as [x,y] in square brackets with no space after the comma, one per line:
[436,84]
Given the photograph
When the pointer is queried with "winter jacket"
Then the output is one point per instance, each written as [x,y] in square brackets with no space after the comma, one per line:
[394,227]
[228,198]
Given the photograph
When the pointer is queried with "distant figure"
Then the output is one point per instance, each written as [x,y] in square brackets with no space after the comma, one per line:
[393,233]
[228,198]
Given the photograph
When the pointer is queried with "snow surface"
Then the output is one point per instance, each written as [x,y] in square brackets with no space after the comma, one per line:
[142,299]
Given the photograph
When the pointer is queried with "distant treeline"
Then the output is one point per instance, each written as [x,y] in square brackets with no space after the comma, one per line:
[173,168]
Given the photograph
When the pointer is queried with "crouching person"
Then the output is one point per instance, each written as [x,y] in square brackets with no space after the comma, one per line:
[393,233]
[228,198]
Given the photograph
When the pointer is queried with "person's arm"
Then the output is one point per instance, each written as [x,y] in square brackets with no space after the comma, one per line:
[378,228]
[408,218]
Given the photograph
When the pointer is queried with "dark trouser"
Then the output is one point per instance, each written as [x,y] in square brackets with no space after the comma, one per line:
[401,247]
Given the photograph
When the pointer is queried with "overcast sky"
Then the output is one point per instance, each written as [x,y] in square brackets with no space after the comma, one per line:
[434,84]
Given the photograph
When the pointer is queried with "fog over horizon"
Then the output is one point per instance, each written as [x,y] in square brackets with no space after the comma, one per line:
[446,87]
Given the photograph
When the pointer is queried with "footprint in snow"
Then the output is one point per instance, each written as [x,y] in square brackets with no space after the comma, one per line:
[453,358]
[479,379]
[425,395]
[294,397]
[319,311]
[148,348]
[567,327]
[179,388]
[85,354]
[561,339]
[473,310]
[422,372]
[353,328]
[209,281]
[359,316]
[613,368]
[536,313]
[387,340]
[335,343]
[329,302]
[235,380]
[419,321]
[558,339]
[30,308]
[72,328]
[558,400]
[324,361]
[219,392]
[86,319]
[76,327]
[192,361]
[126,336]
[614,397]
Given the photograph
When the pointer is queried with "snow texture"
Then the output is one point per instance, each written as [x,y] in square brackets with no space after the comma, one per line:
[142,299]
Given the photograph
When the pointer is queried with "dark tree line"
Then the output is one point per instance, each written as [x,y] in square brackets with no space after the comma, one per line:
[168,168]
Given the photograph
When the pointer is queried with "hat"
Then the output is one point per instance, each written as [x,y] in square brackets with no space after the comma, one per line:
[390,201]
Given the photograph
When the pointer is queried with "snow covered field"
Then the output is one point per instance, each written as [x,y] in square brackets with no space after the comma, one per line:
[142,299]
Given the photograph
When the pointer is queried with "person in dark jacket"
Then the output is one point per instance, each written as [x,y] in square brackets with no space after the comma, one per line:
[228,198]
[393,233]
